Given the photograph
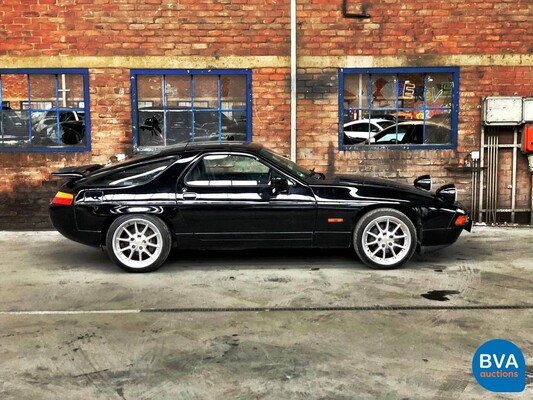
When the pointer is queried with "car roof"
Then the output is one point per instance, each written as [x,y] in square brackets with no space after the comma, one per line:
[207,146]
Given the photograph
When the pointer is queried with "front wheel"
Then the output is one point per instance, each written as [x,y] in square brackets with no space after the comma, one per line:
[384,238]
[138,243]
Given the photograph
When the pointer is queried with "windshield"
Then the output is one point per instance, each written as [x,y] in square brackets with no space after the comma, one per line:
[301,172]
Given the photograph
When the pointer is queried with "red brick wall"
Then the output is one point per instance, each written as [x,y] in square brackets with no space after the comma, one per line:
[148,27]
[409,27]
[398,34]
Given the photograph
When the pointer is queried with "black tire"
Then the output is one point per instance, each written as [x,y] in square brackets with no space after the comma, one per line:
[384,238]
[138,242]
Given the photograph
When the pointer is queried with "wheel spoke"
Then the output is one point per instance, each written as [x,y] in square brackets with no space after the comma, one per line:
[144,230]
[372,234]
[376,251]
[403,247]
[150,237]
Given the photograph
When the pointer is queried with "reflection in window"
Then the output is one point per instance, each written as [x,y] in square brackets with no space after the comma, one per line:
[183,106]
[135,175]
[229,170]
[411,106]
[44,110]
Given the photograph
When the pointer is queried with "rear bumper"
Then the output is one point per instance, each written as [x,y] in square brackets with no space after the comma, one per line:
[63,220]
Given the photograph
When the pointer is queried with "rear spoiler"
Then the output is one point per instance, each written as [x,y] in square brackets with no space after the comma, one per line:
[76,172]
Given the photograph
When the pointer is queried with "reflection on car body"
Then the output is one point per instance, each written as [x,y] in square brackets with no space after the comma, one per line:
[237,196]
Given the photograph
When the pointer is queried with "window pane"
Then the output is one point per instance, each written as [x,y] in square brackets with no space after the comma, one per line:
[384,92]
[58,126]
[178,90]
[233,94]
[229,170]
[14,129]
[150,90]
[356,97]
[134,176]
[73,86]
[43,91]
[205,91]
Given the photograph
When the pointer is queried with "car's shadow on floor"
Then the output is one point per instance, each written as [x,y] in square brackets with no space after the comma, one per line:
[283,259]
[82,257]
[262,259]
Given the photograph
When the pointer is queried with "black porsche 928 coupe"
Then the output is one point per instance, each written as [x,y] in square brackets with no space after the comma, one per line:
[236,196]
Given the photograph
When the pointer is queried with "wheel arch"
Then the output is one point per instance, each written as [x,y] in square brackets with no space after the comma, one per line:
[409,211]
[109,221]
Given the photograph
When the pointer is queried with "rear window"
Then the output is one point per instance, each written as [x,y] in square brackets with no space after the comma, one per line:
[134,175]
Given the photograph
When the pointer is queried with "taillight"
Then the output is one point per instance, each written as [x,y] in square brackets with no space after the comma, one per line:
[461,220]
[63,199]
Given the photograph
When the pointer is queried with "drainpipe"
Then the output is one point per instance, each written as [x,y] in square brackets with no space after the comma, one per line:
[293,80]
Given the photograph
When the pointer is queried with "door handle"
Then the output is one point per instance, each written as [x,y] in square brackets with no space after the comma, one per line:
[189,196]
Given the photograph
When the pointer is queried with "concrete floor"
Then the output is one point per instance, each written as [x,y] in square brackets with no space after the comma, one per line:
[74,326]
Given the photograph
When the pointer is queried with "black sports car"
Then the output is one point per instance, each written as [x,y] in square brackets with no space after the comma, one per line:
[245,196]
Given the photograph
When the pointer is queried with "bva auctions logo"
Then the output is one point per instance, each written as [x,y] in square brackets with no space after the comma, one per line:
[500,366]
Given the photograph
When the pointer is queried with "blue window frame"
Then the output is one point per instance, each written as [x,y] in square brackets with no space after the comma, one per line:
[401,108]
[44,110]
[180,106]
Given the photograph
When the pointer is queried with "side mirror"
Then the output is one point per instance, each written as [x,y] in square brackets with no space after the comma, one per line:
[279,185]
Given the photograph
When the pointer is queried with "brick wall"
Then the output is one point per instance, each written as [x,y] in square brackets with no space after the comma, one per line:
[416,27]
[490,40]
[148,27]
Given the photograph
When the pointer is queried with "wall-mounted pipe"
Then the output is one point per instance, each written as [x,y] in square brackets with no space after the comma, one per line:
[293,80]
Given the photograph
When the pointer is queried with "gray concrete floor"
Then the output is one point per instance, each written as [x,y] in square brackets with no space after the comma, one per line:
[74,326]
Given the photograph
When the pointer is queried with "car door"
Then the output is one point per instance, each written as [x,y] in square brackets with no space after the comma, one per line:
[230,200]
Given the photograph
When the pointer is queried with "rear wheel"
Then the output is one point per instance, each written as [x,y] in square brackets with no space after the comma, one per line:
[138,243]
[384,238]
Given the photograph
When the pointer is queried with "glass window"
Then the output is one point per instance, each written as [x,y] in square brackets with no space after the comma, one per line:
[406,108]
[229,170]
[136,175]
[174,106]
[44,110]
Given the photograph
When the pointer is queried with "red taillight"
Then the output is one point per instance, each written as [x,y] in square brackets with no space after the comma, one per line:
[461,220]
[63,199]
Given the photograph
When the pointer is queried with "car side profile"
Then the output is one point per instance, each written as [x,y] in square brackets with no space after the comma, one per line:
[237,196]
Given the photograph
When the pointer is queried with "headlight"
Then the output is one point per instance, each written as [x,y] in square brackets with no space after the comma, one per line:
[448,193]
[423,182]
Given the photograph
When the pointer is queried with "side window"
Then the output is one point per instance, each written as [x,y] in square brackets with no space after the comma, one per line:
[229,170]
[135,175]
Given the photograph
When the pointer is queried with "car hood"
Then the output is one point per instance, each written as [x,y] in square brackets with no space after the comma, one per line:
[357,180]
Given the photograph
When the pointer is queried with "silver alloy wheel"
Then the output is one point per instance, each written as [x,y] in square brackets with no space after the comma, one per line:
[137,243]
[386,240]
